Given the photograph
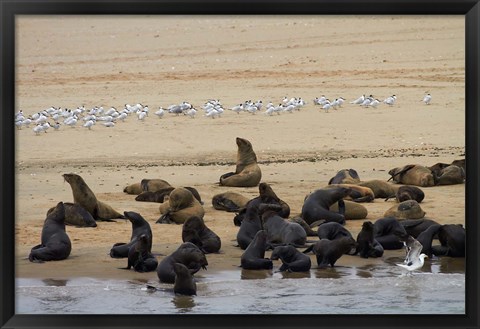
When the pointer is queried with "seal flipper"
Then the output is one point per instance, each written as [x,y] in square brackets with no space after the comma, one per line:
[401,172]
[164,219]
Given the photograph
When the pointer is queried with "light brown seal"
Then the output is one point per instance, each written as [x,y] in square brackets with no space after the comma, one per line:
[381,189]
[450,175]
[412,174]
[357,193]
[181,206]
[84,196]
[153,185]
[229,201]
[353,210]
[247,172]
[409,209]
[135,189]
[76,215]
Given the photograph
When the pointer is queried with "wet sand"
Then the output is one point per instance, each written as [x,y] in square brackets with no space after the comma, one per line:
[107,62]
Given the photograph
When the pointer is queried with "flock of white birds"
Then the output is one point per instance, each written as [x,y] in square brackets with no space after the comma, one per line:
[57,117]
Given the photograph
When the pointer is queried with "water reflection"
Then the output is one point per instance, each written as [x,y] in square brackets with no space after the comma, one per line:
[255,274]
[184,303]
[295,275]
[55,282]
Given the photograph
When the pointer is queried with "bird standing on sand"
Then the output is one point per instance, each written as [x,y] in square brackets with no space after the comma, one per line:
[427,98]
[414,259]
[359,100]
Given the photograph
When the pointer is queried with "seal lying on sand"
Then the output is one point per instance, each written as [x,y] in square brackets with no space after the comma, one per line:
[409,209]
[353,210]
[381,189]
[135,189]
[229,201]
[55,243]
[184,282]
[345,176]
[247,172]
[449,175]
[84,196]
[357,193]
[254,256]
[452,240]
[367,246]
[412,175]
[292,259]
[146,185]
[140,257]
[416,226]
[408,192]
[76,215]
[267,195]
[160,195]
[139,227]
[328,252]
[181,206]
[187,254]
[195,231]
[316,205]
[389,232]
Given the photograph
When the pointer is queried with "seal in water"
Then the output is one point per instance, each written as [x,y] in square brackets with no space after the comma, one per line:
[195,231]
[77,216]
[84,196]
[187,254]
[181,206]
[381,189]
[281,231]
[367,246]
[345,176]
[254,256]
[316,205]
[229,201]
[409,209]
[357,193]
[140,257]
[412,175]
[184,282]
[139,227]
[55,243]
[292,259]
[389,232]
[247,172]
[267,195]
[328,252]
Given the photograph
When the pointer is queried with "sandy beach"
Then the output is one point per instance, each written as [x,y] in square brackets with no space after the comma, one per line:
[159,61]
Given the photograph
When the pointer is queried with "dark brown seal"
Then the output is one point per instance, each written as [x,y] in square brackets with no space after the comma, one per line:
[281,231]
[345,176]
[417,175]
[160,195]
[416,226]
[409,209]
[139,227]
[184,281]
[408,192]
[367,246]
[247,172]
[292,259]
[304,225]
[328,252]
[389,232]
[187,254]
[195,231]
[449,175]
[357,193]
[140,257]
[181,206]
[381,189]
[84,196]
[254,256]
[55,243]
[76,215]
[152,185]
[316,205]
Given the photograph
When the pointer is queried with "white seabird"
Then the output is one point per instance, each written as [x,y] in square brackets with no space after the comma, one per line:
[414,259]
[427,99]
[359,100]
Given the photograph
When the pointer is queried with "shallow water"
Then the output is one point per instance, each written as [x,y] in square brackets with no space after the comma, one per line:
[339,290]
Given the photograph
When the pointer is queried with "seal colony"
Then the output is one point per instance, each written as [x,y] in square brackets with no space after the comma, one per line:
[265,222]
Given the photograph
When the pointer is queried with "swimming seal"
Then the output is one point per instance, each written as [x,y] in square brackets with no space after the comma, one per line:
[381,189]
[187,254]
[345,176]
[388,232]
[292,259]
[357,193]
[55,243]
[247,172]
[195,231]
[414,227]
[139,227]
[367,246]
[184,282]
[181,206]
[77,216]
[281,231]
[412,175]
[84,196]
[140,257]
[353,210]
[229,201]
[409,209]
[328,252]
[316,205]
[267,195]
[254,256]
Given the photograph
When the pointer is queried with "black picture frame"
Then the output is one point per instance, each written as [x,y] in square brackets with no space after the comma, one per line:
[9,8]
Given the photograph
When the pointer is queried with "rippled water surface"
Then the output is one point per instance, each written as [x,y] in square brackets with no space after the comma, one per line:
[338,290]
